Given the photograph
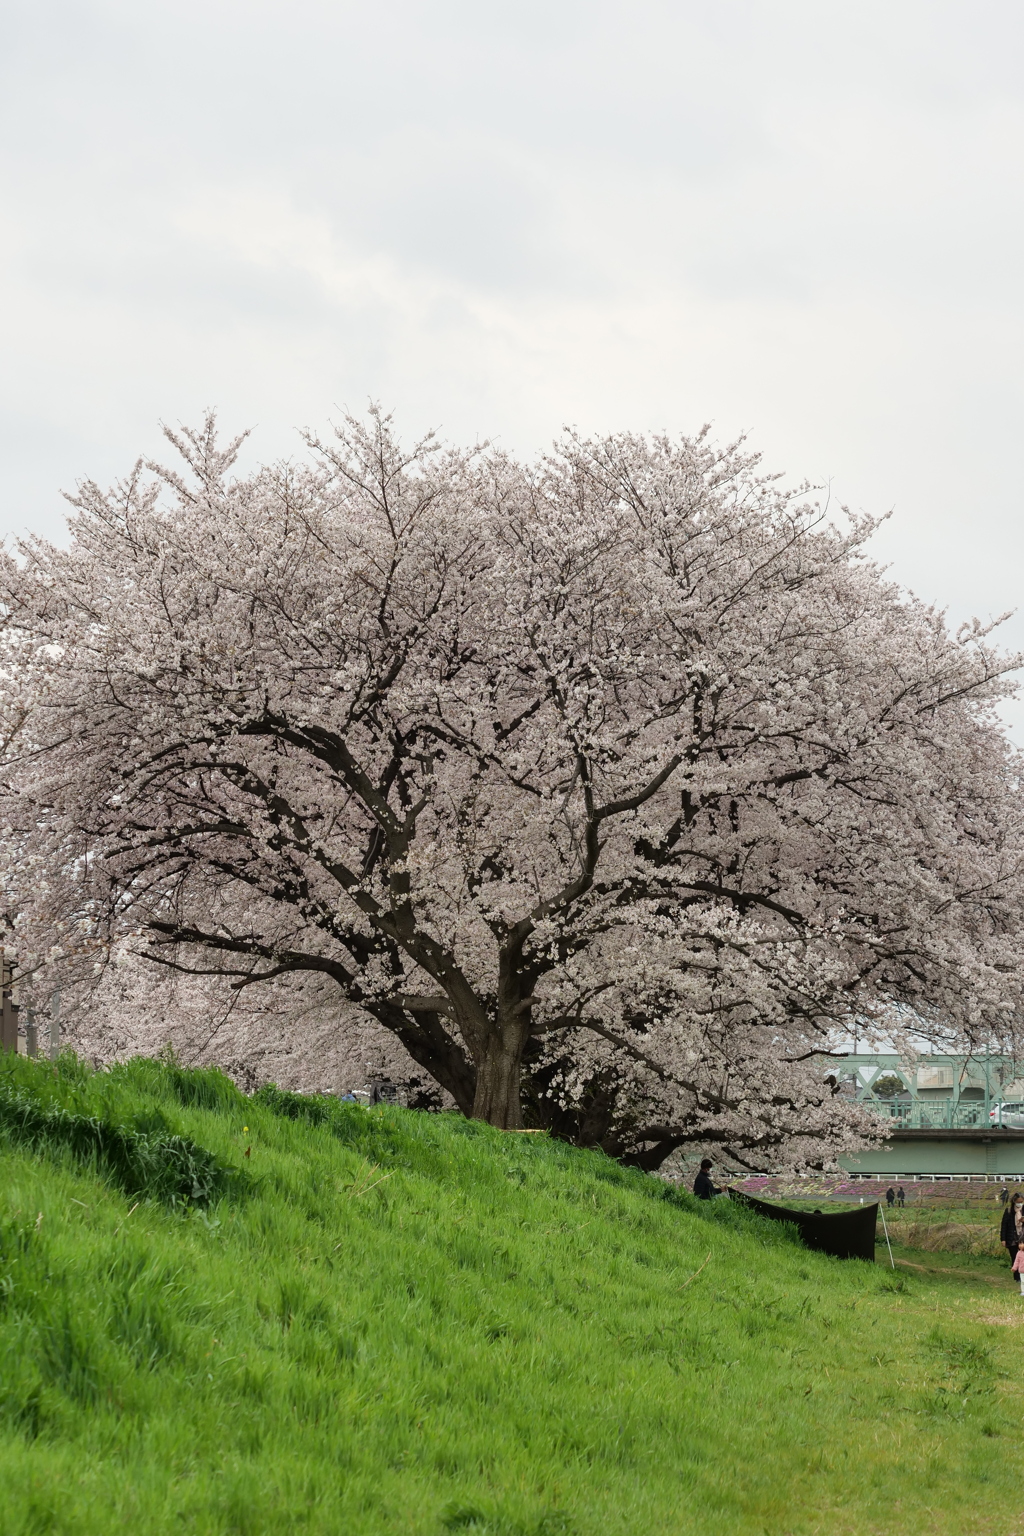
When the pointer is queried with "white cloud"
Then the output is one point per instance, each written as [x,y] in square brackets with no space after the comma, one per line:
[796,218]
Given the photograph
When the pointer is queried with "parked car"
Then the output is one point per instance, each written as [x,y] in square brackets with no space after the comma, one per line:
[1007,1114]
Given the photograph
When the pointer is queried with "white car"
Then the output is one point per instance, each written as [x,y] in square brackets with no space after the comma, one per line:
[1007,1114]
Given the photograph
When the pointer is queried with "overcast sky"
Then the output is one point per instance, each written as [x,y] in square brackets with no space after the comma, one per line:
[802,219]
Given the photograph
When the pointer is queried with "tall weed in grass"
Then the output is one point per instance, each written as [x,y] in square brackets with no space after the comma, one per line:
[416,1323]
[950,1226]
[949,1236]
[62,1110]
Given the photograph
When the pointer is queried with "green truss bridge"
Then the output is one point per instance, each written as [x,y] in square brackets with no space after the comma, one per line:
[948,1116]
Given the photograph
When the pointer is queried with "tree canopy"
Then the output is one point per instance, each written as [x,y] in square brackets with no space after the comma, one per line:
[615,786]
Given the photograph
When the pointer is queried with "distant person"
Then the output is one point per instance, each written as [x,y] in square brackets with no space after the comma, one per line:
[702,1185]
[1004,1195]
[890,1197]
[1018,1267]
[901,1197]
[1011,1228]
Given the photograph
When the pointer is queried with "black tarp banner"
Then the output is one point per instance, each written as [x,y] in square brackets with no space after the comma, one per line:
[846,1234]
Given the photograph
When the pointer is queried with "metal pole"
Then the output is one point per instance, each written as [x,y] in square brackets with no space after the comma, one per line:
[886,1231]
[988,1089]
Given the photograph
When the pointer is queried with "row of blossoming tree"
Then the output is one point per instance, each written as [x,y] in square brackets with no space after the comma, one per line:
[612,788]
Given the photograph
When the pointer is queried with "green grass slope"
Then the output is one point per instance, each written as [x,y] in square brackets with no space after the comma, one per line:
[380,1321]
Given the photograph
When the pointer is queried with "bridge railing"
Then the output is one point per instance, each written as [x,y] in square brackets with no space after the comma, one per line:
[947,1116]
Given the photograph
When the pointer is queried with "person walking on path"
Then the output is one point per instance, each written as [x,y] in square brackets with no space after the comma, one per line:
[890,1197]
[1018,1268]
[702,1185]
[901,1197]
[1011,1228]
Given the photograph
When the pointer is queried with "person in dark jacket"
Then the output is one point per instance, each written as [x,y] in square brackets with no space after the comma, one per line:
[702,1185]
[1011,1229]
[901,1197]
[890,1197]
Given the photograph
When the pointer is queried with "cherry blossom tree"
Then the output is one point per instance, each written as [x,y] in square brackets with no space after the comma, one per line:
[615,787]
[294,1032]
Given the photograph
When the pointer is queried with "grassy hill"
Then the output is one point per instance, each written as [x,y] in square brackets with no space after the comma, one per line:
[271,1315]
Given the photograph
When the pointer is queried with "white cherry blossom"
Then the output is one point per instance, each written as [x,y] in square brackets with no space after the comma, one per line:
[613,787]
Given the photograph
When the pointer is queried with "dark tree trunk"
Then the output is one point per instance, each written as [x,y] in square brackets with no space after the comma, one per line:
[433,1049]
[498,1096]
[649,1159]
